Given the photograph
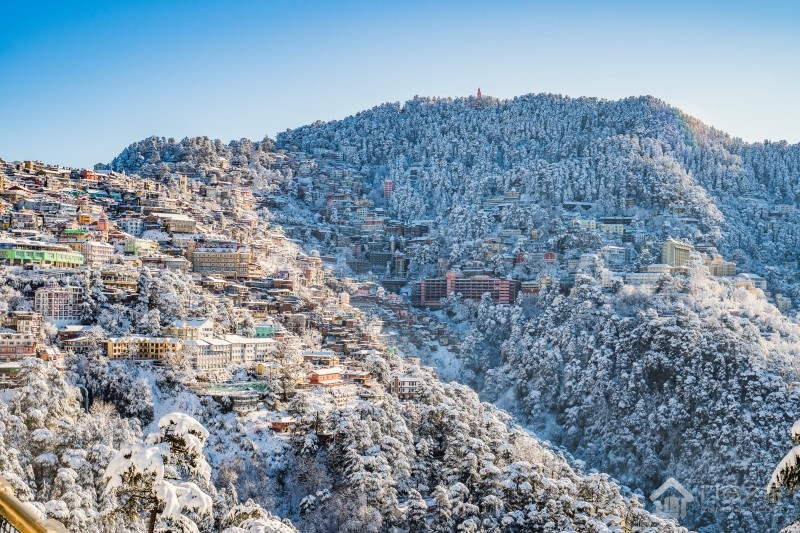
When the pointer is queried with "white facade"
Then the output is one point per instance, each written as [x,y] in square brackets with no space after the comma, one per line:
[218,352]
[97,253]
[617,229]
[642,278]
[59,305]
[745,279]
[614,257]
[589,224]
[134,226]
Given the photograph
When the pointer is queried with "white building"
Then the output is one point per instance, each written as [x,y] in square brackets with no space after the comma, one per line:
[192,328]
[132,225]
[97,253]
[137,247]
[589,224]
[658,268]
[617,229]
[15,346]
[747,280]
[614,257]
[608,278]
[218,352]
[59,305]
[588,262]
[642,278]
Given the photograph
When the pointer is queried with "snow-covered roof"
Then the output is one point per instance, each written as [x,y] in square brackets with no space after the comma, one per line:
[327,371]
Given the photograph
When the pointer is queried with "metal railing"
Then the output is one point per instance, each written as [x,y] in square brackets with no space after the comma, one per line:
[16,517]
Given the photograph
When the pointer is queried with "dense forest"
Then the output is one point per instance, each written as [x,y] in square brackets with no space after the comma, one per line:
[447,155]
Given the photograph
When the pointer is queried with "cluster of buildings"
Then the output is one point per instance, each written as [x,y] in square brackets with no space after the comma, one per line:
[21,336]
[61,227]
[675,254]
[55,217]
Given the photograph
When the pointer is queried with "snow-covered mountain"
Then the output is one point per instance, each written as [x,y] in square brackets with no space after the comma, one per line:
[694,380]
[628,156]
[133,441]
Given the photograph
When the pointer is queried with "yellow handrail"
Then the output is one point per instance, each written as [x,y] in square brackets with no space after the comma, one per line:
[21,517]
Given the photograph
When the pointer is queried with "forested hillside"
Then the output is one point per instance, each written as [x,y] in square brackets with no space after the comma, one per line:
[446,156]
[128,443]
[694,378]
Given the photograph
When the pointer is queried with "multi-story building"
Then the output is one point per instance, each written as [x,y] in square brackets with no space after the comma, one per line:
[141,347]
[404,387]
[617,229]
[190,329]
[59,305]
[97,253]
[748,280]
[208,353]
[534,286]
[342,393]
[26,219]
[719,267]
[608,278]
[176,222]
[24,322]
[675,253]
[588,224]
[614,257]
[123,277]
[265,330]
[132,225]
[211,352]
[325,377]
[649,274]
[373,225]
[22,252]
[429,291]
[74,238]
[136,246]
[226,259]
[15,345]
[321,358]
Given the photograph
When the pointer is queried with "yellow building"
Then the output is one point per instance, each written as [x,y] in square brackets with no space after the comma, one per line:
[719,267]
[176,222]
[224,259]
[141,347]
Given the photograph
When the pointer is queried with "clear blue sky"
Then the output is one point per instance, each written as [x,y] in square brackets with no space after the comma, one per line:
[82,80]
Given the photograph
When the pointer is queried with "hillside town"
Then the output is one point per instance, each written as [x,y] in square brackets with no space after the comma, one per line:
[272,267]
[292,292]
[75,240]
[84,244]
[137,299]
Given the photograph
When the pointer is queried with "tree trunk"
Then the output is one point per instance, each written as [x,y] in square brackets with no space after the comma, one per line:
[151,525]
